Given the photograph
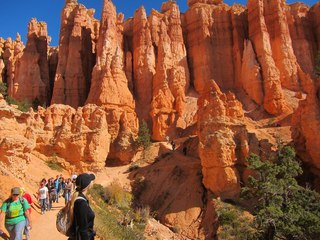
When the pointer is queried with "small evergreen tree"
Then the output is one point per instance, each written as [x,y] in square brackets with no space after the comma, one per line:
[3,89]
[36,103]
[144,137]
[317,65]
[283,209]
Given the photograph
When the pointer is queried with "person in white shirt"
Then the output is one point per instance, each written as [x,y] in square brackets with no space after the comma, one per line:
[43,195]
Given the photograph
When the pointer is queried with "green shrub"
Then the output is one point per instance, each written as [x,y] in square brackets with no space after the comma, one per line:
[23,106]
[109,219]
[283,209]
[233,222]
[36,103]
[116,195]
[54,165]
[3,89]
[142,215]
[144,137]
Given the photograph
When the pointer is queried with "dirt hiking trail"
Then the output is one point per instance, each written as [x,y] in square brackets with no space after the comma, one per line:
[44,226]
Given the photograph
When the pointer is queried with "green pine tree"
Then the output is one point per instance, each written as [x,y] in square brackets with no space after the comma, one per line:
[144,137]
[283,209]
[3,89]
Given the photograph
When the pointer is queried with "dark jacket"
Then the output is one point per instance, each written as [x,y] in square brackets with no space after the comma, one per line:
[83,220]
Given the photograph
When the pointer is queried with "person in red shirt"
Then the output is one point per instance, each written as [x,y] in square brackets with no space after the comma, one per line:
[26,196]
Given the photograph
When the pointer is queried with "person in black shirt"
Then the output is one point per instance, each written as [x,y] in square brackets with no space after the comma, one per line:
[83,216]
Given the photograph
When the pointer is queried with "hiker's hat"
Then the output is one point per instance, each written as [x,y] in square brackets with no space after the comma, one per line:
[15,190]
[83,180]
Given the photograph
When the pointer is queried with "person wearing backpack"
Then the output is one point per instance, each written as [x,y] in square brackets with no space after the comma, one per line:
[83,216]
[14,212]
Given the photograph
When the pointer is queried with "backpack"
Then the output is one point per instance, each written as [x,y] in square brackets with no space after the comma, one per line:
[64,219]
[21,199]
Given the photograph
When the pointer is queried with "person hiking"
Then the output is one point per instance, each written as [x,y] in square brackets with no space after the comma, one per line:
[83,216]
[67,190]
[52,192]
[173,145]
[14,212]
[57,186]
[28,197]
[43,196]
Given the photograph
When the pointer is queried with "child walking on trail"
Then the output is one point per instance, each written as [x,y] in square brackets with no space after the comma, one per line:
[43,195]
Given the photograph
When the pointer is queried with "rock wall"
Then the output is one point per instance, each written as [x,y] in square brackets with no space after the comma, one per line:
[302,34]
[305,129]
[171,80]
[15,146]
[273,95]
[315,16]
[10,52]
[210,44]
[144,64]
[217,146]
[78,138]
[31,79]
[109,84]
[76,57]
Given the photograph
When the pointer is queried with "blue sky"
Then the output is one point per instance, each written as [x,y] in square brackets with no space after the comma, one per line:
[15,15]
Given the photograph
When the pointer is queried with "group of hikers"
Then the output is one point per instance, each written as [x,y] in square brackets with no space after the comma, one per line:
[52,189]
[15,214]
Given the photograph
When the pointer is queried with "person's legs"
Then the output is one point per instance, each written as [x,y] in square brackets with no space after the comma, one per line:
[10,229]
[18,229]
[26,230]
[50,201]
[43,205]
[67,197]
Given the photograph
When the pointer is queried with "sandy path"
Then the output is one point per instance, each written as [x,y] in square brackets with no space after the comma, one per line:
[44,226]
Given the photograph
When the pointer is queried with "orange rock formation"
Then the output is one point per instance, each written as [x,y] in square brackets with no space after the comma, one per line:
[217,112]
[154,68]
[79,137]
[31,78]
[76,57]
[109,85]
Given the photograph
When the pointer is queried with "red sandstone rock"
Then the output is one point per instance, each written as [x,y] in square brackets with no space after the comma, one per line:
[301,32]
[12,50]
[239,18]
[210,45]
[31,79]
[215,2]
[251,79]
[79,137]
[109,84]
[143,65]
[217,111]
[76,56]
[171,79]
[258,34]
[315,15]
[281,44]
[305,129]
